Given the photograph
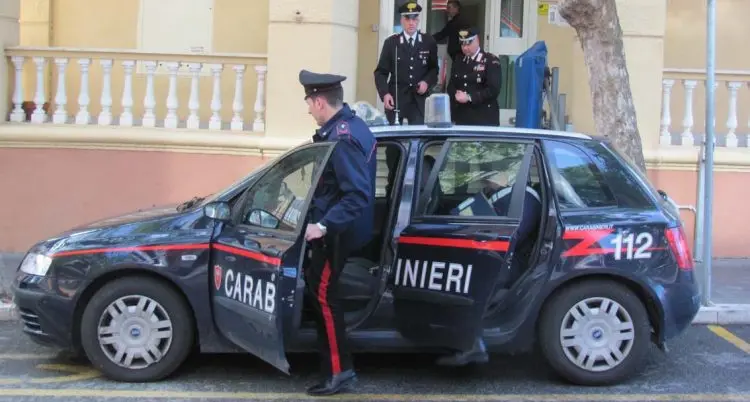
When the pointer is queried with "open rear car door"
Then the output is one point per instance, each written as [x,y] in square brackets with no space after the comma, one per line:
[455,250]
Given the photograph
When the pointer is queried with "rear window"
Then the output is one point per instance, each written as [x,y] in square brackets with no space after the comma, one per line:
[592,177]
[577,181]
[622,176]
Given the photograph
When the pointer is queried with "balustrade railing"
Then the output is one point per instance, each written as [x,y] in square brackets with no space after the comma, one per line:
[683,96]
[130,88]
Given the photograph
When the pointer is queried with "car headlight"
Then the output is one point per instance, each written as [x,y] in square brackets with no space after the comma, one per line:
[36,264]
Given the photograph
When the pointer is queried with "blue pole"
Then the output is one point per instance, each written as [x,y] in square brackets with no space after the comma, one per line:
[709,166]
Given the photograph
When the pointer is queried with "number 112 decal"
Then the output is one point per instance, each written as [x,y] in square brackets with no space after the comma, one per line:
[604,241]
[634,247]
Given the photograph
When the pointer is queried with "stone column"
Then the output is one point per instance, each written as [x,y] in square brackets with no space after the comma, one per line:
[9,35]
[643,24]
[320,36]
[36,30]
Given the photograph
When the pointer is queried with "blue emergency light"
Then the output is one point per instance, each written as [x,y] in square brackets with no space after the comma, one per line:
[437,110]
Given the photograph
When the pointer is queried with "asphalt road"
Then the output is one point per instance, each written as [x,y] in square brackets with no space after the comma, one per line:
[700,366]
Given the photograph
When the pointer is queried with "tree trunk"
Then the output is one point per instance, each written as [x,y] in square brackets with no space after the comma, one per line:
[598,28]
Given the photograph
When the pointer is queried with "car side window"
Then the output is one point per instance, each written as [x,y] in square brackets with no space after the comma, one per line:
[577,181]
[276,201]
[475,179]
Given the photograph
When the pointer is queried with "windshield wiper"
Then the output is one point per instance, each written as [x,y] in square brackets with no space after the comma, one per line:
[190,203]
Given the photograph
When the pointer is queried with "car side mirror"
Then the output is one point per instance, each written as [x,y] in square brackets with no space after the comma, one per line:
[218,210]
[262,218]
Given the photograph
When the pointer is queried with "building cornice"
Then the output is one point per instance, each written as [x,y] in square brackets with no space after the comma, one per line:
[686,158]
[143,139]
[24,135]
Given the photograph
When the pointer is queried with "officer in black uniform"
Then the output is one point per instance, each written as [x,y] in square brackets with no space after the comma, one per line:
[475,83]
[416,55]
[340,219]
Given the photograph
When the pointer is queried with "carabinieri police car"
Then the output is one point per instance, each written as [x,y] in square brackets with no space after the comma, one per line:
[522,238]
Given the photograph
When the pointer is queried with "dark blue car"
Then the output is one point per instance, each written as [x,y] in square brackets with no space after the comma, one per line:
[527,238]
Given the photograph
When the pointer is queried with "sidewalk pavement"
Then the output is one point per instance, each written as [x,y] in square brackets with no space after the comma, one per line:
[730,290]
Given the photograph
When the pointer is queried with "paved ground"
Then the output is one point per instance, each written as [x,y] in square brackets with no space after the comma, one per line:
[701,366]
[730,280]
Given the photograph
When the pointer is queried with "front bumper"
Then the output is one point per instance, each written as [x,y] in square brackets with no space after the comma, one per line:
[45,315]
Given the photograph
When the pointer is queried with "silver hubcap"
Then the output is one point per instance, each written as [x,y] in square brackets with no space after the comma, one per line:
[135,332]
[597,334]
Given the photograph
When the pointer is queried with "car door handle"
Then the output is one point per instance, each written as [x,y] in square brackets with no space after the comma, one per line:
[230,258]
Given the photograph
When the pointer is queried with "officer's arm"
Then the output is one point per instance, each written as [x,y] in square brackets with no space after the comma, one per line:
[383,69]
[443,32]
[493,83]
[350,167]
[432,65]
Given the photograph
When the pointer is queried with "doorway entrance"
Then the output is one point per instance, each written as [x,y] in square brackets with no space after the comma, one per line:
[507,29]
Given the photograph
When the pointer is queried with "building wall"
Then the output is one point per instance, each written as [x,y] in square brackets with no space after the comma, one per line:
[9,36]
[70,187]
[113,24]
[239,28]
[685,48]
[560,42]
[368,52]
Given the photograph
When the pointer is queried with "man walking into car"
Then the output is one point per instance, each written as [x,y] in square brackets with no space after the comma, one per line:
[340,219]
[407,69]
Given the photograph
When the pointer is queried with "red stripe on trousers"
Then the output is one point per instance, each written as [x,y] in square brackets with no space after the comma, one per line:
[328,318]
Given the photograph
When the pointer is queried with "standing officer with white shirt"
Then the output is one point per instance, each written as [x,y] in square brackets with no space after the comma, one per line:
[414,54]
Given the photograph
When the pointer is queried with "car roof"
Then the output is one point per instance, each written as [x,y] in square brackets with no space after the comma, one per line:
[386,131]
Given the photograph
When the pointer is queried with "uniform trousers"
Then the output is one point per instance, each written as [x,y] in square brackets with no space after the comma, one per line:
[476,115]
[328,257]
[411,107]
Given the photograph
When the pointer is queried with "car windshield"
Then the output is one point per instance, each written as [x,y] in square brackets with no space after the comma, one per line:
[239,183]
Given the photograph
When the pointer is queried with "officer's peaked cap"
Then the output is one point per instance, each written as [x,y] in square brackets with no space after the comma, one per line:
[467,35]
[410,9]
[316,83]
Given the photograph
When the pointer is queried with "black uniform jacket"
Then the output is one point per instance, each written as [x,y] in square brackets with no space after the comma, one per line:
[479,76]
[344,200]
[415,63]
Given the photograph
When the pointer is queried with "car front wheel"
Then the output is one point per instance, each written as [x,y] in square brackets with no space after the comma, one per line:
[136,329]
[595,333]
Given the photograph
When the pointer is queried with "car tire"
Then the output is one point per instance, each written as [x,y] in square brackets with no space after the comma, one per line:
[137,330]
[593,333]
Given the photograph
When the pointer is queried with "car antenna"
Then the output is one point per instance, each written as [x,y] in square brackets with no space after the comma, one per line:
[395,77]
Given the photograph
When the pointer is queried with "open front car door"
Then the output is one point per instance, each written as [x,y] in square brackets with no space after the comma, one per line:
[455,251]
[257,283]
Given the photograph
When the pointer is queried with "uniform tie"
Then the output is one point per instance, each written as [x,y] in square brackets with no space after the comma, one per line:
[411,42]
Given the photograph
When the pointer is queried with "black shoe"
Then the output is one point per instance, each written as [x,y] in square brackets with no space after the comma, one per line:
[477,354]
[334,384]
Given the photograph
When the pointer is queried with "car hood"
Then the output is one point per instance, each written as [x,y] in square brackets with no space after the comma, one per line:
[144,225]
[130,217]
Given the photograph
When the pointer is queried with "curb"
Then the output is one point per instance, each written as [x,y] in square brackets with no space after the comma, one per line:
[8,312]
[719,314]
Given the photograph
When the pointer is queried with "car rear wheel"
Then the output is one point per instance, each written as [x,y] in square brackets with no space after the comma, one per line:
[595,333]
[137,330]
